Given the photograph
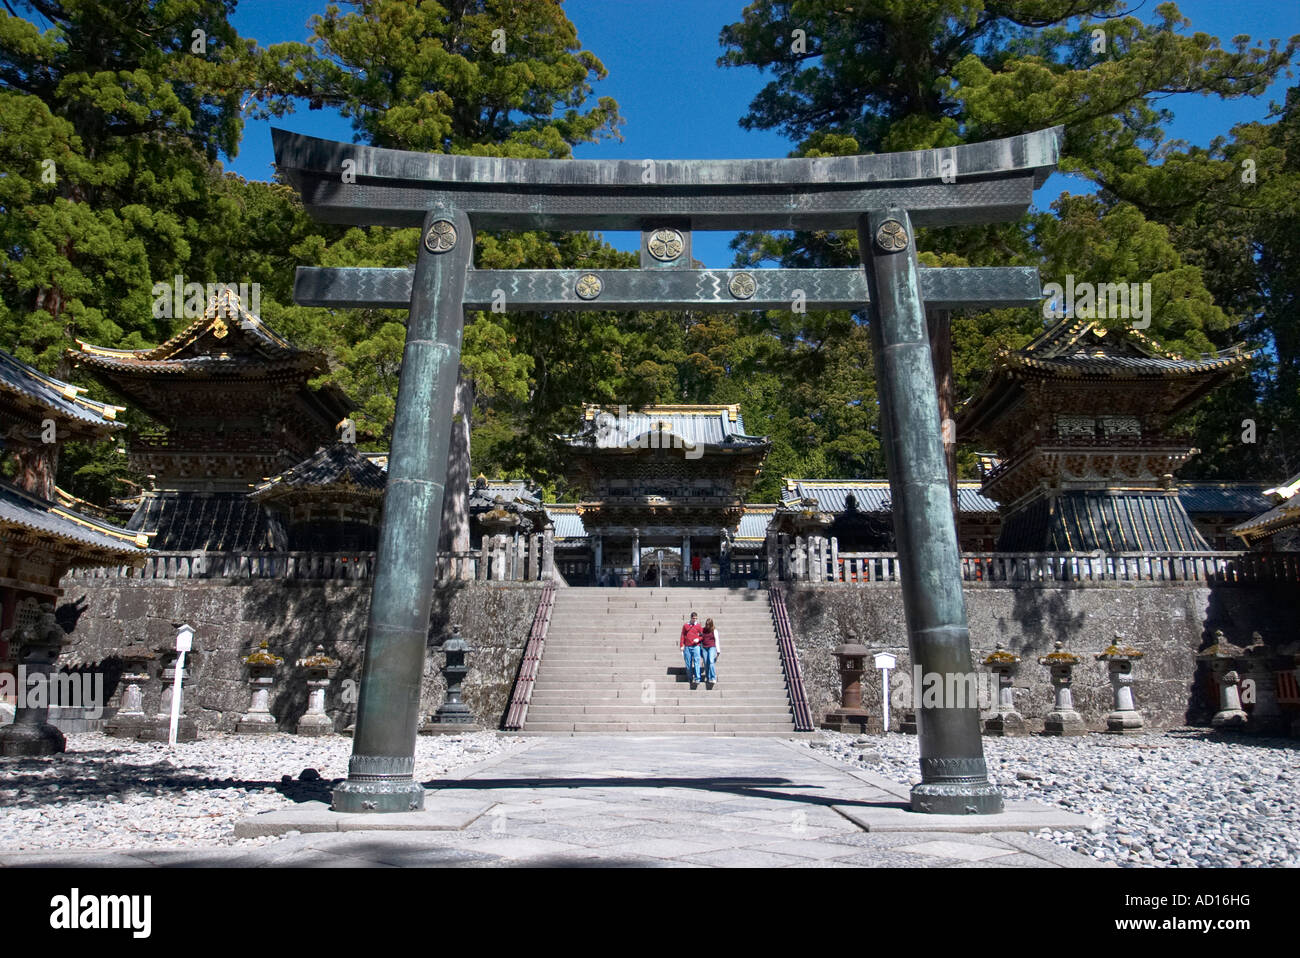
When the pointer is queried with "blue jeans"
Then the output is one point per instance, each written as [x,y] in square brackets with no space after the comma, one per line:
[691,653]
[710,656]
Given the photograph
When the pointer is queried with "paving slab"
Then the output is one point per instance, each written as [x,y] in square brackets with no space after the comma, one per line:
[634,801]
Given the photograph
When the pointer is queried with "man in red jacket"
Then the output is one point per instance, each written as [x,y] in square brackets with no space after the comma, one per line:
[690,646]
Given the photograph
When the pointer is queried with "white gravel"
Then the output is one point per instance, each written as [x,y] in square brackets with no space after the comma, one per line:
[1186,797]
[109,793]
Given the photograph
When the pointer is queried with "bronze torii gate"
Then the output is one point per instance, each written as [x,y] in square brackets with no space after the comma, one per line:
[883,197]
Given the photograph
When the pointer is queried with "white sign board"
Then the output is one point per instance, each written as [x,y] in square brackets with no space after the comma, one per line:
[885,662]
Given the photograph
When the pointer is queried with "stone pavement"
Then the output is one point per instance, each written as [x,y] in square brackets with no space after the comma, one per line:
[636,801]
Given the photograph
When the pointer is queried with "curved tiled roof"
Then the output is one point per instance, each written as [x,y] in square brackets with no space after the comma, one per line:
[34,514]
[60,398]
[336,465]
[872,495]
[710,425]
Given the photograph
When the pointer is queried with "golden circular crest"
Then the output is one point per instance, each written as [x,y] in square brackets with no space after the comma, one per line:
[665,245]
[588,286]
[441,236]
[891,237]
[742,285]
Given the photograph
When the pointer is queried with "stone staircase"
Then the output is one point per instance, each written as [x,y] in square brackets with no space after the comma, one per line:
[611,664]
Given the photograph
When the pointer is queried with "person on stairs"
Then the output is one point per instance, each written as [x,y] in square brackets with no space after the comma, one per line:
[710,649]
[690,646]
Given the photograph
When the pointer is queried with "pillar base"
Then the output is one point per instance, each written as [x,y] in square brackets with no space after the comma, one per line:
[1229,718]
[1064,724]
[449,728]
[1005,724]
[256,725]
[314,726]
[158,731]
[941,798]
[125,726]
[378,797]
[850,720]
[1125,723]
[22,741]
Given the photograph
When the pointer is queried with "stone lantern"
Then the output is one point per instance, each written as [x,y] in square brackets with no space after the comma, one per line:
[130,719]
[1222,659]
[37,646]
[319,668]
[1006,720]
[1261,665]
[851,658]
[453,716]
[261,666]
[1063,719]
[1124,718]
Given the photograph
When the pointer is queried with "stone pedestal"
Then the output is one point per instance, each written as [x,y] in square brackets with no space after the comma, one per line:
[37,648]
[319,668]
[1063,719]
[258,720]
[130,719]
[1124,718]
[1006,721]
[851,659]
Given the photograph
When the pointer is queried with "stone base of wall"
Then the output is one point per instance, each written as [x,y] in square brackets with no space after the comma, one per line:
[1168,623]
[231,618]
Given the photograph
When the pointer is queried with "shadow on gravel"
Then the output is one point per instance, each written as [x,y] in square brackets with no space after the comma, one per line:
[96,775]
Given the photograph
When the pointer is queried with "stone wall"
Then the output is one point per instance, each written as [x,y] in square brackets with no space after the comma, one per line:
[1168,623]
[230,618]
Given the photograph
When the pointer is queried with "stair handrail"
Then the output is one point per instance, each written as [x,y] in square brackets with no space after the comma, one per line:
[533,649]
[789,659]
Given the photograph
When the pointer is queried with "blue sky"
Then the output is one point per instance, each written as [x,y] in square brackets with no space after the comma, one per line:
[661,56]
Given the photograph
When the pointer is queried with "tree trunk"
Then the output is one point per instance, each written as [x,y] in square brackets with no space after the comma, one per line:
[455,502]
[939,322]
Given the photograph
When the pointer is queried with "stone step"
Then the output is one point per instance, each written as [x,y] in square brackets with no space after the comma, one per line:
[629,707]
[716,698]
[599,654]
[730,733]
[659,728]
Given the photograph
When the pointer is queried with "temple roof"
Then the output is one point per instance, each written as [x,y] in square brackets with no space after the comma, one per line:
[337,466]
[1080,351]
[96,539]
[1081,348]
[26,390]
[566,520]
[1273,518]
[1224,498]
[754,522]
[872,495]
[705,424]
[228,343]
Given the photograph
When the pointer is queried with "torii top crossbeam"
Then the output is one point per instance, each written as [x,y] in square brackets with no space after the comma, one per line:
[973,183]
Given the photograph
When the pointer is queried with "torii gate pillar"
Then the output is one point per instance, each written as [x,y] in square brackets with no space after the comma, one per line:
[954,777]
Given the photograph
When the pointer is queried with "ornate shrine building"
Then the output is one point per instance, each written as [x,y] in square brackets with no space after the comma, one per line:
[667,478]
[236,407]
[40,539]
[1085,456]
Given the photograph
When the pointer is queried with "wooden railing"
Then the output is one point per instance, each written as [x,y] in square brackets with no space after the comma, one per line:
[819,560]
[494,563]
[532,660]
[789,659]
